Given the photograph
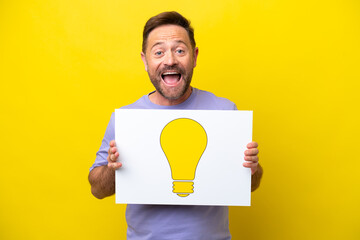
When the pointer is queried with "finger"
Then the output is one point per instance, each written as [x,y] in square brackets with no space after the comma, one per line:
[251,165]
[114,165]
[252,152]
[114,157]
[112,143]
[113,150]
[252,145]
[251,158]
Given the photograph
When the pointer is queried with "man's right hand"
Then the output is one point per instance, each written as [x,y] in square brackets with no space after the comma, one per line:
[113,155]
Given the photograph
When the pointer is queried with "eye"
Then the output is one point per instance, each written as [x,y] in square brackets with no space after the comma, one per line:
[180,51]
[158,53]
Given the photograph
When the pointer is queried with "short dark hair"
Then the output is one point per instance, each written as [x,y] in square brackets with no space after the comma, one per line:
[165,18]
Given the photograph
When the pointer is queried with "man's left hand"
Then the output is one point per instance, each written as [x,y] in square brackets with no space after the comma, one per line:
[251,158]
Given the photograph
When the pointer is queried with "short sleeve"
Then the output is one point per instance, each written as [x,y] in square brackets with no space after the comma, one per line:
[101,155]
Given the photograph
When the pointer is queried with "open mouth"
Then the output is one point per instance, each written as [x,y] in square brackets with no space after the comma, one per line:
[171,78]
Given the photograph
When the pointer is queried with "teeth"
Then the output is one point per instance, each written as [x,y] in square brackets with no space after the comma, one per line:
[168,73]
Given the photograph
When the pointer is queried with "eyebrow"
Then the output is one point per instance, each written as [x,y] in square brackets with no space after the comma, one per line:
[161,43]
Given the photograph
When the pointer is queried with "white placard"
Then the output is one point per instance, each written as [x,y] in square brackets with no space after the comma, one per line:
[146,176]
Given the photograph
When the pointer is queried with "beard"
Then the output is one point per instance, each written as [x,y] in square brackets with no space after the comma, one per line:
[171,93]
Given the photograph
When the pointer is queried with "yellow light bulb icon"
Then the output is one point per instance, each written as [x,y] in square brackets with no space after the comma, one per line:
[183,141]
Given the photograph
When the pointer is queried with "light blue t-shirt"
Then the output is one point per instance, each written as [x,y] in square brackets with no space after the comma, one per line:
[172,222]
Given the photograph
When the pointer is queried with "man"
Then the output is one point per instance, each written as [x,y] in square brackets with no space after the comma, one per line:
[169,54]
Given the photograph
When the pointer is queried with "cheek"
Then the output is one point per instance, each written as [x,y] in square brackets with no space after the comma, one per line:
[154,65]
[188,63]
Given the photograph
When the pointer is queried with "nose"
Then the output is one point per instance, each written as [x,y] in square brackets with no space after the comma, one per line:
[170,59]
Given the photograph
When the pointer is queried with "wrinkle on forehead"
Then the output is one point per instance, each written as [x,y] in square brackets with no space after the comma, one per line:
[168,33]
[164,35]
[160,43]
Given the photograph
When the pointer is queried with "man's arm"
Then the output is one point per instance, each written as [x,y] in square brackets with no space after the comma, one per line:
[252,161]
[102,179]
[255,178]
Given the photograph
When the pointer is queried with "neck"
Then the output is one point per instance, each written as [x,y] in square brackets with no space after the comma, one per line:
[158,99]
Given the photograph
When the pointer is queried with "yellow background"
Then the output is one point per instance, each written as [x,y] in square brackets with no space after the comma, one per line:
[66,65]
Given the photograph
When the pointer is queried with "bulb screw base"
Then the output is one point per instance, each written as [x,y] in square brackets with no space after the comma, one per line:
[182,188]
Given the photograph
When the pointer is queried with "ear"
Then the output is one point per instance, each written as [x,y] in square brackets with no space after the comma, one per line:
[143,58]
[196,52]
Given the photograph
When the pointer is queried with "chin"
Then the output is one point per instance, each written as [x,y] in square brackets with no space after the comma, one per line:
[174,94]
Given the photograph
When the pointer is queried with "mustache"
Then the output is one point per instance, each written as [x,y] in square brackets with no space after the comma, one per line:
[171,68]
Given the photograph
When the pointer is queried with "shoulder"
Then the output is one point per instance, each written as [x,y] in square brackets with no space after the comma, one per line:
[142,103]
[214,102]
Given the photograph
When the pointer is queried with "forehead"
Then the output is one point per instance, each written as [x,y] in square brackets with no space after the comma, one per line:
[166,33]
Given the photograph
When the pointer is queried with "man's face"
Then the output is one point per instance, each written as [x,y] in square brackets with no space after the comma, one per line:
[169,60]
